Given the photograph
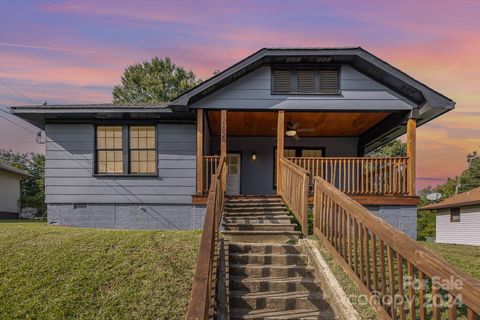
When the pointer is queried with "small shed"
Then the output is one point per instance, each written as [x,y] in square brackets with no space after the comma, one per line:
[10,178]
[458,218]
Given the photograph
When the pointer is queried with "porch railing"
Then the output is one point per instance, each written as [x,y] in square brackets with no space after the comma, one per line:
[360,176]
[293,188]
[402,279]
[210,164]
[203,293]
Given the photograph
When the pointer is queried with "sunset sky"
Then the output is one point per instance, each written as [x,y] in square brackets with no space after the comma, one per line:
[75,51]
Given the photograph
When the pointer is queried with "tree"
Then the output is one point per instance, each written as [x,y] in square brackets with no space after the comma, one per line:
[394,148]
[32,189]
[155,81]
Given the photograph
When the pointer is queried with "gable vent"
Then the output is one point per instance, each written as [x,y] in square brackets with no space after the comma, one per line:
[282,81]
[306,81]
[328,81]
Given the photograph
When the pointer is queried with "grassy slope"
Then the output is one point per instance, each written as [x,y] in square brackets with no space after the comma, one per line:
[464,257]
[54,272]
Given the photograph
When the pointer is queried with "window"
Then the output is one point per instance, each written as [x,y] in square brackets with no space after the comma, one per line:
[143,151]
[291,152]
[306,81]
[109,150]
[111,153]
[455,215]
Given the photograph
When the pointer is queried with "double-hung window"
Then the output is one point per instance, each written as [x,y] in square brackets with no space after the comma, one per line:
[126,150]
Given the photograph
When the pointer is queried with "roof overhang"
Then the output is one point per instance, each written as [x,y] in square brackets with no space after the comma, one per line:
[39,115]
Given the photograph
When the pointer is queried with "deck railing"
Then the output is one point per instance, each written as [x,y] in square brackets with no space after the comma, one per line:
[360,176]
[210,164]
[401,278]
[293,188]
[203,293]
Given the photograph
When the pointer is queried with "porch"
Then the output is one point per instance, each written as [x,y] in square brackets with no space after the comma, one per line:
[331,145]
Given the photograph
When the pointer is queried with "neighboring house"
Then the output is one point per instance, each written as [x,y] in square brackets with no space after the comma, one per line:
[458,218]
[10,178]
[149,166]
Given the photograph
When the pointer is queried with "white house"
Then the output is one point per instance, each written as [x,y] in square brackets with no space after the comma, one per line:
[458,218]
[10,178]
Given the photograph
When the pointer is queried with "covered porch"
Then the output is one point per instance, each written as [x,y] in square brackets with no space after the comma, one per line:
[330,144]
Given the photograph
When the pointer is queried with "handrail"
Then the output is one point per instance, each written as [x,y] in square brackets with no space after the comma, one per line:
[360,175]
[210,164]
[358,240]
[201,306]
[293,188]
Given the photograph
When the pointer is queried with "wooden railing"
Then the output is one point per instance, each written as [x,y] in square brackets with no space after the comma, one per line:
[401,278]
[293,188]
[360,176]
[210,163]
[203,294]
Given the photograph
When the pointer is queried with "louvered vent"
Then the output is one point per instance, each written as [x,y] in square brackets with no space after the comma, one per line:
[306,81]
[282,81]
[328,81]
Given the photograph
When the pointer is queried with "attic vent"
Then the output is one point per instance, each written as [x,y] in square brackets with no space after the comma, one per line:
[306,81]
[328,81]
[282,80]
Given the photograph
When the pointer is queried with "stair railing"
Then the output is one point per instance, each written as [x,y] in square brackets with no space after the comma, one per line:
[293,187]
[401,278]
[202,301]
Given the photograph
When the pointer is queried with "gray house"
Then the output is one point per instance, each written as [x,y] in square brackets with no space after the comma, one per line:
[10,178]
[149,166]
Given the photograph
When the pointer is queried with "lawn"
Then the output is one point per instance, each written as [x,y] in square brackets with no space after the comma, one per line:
[64,273]
[466,258]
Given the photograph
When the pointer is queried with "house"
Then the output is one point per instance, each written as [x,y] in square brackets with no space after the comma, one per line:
[458,218]
[10,178]
[149,166]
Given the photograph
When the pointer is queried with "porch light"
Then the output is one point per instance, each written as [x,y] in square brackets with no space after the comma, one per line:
[291,133]
[254,156]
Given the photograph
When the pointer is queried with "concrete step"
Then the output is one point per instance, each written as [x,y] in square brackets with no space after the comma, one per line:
[278,300]
[253,198]
[259,271]
[241,204]
[265,248]
[284,284]
[260,226]
[269,259]
[278,219]
[281,314]
[261,236]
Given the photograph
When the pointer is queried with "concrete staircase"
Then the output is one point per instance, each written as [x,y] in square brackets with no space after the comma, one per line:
[269,274]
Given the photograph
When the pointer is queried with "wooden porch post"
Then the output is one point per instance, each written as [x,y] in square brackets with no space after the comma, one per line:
[280,142]
[199,151]
[223,133]
[411,154]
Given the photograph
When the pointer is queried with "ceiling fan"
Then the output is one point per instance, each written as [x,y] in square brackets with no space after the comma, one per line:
[293,128]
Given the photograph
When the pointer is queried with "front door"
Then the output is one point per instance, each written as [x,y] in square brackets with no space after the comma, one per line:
[233,176]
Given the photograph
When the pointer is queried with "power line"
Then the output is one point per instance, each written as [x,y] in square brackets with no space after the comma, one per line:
[17,92]
[18,125]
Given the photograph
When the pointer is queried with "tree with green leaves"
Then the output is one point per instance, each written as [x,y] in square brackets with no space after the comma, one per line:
[155,81]
[394,148]
[32,189]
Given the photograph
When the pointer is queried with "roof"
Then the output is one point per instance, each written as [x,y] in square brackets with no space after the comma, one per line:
[467,198]
[95,106]
[8,168]
[425,97]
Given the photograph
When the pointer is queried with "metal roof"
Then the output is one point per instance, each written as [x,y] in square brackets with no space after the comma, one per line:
[467,198]
[9,168]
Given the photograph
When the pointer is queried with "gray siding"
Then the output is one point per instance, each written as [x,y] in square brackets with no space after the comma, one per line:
[257,176]
[9,192]
[467,231]
[358,92]
[403,218]
[69,168]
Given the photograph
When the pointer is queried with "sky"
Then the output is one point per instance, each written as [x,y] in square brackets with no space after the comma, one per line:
[66,51]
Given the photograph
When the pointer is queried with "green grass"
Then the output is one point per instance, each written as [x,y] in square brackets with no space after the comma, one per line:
[66,273]
[466,258]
